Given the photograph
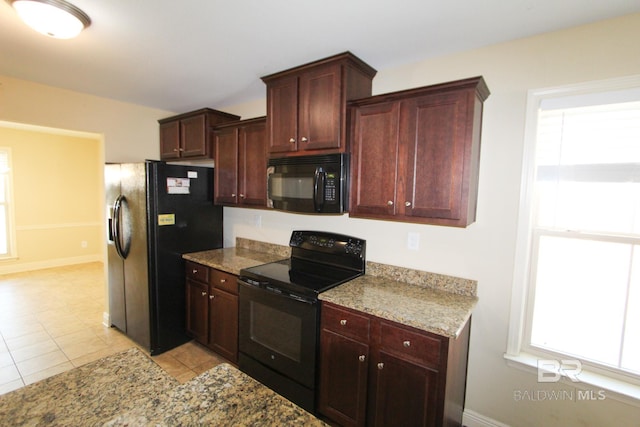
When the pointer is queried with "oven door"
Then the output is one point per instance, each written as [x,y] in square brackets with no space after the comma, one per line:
[279,331]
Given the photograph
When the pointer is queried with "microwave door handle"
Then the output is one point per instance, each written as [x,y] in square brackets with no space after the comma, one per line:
[318,189]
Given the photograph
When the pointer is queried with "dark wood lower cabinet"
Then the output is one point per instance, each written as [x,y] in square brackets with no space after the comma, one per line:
[212,309]
[381,373]
[344,366]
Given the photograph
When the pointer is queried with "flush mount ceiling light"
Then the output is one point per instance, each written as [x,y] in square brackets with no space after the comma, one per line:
[53,18]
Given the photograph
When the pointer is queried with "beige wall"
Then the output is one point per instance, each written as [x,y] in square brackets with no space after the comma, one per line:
[484,251]
[56,198]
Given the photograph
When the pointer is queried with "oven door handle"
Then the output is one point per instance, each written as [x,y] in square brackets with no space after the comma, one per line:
[265,286]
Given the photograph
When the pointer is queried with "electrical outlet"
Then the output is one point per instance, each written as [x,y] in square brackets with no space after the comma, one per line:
[413,241]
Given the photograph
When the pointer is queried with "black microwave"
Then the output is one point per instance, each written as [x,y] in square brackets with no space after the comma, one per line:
[309,184]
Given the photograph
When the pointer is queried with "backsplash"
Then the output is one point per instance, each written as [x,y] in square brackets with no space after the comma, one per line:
[270,248]
[423,279]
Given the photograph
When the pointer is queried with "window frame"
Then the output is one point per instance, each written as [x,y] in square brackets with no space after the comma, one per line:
[11,226]
[519,354]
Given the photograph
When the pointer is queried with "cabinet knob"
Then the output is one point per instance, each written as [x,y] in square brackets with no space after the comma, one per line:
[204,294]
[407,343]
[292,140]
[361,358]
[212,296]
[390,203]
[304,139]
[180,149]
[407,204]
[194,271]
[343,322]
[241,196]
[223,280]
[233,194]
[380,365]
[175,150]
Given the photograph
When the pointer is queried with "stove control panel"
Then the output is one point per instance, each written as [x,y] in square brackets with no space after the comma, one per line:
[328,243]
[354,247]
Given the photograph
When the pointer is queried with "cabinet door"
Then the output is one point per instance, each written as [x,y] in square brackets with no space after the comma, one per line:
[225,142]
[252,171]
[193,133]
[374,164]
[197,310]
[434,128]
[343,379]
[405,393]
[170,140]
[223,324]
[319,111]
[282,114]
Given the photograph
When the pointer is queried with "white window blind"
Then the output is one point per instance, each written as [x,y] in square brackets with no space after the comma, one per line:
[584,285]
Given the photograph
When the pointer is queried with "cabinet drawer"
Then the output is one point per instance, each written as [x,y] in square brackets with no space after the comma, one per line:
[411,345]
[225,281]
[345,322]
[197,272]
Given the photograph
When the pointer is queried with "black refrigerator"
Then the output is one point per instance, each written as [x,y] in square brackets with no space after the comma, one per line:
[155,213]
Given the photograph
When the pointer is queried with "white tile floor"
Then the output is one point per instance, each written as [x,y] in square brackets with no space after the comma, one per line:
[51,321]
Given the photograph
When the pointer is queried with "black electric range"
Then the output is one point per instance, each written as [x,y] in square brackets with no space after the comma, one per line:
[319,261]
[279,312]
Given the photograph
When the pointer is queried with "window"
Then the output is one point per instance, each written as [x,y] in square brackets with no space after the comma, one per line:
[7,245]
[577,281]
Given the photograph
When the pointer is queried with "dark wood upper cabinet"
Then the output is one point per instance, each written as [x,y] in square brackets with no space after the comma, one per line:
[415,154]
[306,105]
[240,152]
[187,136]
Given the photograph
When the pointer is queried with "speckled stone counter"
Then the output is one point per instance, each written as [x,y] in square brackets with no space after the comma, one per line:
[246,254]
[432,302]
[443,313]
[222,396]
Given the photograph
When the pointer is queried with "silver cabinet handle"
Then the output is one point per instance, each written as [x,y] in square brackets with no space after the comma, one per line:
[380,365]
[212,296]
[292,140]
[390,203]
[194,271]
[241,196]
[407,343]
[233,194]
[304,139]
[361,358]
[343,322]
[204,294]
[223,280]
[407,204]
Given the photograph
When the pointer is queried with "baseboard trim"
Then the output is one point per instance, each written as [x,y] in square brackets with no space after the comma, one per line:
[52,263]
[106,319]
[474,419]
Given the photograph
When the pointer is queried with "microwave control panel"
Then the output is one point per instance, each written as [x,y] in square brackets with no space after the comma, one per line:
[330,188]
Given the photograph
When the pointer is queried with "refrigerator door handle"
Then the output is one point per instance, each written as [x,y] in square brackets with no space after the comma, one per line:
[116,227]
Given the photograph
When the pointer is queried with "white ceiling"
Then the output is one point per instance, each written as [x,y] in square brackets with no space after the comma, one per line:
[187,54]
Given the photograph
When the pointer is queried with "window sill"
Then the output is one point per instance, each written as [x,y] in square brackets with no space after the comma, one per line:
[613,388]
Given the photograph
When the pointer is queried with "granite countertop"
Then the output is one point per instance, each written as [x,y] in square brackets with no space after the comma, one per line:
[232,260]
[129,389]
[428,301]
[432,310]
[222,396]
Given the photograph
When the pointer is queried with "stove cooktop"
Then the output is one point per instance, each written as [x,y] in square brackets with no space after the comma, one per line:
[299,276]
